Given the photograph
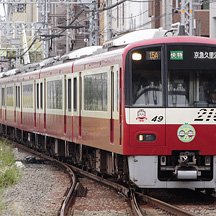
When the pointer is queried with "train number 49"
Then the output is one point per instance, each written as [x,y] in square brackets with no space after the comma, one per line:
[157,119]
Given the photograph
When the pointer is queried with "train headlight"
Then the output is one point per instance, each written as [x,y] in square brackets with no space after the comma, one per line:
[146,137]
[207,160]
[136,56]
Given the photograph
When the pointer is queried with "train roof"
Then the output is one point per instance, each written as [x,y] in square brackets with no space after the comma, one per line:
[134,36]
[83,52]
[115,46]
[174,39]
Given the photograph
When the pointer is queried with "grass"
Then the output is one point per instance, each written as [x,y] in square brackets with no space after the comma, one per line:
[9,173]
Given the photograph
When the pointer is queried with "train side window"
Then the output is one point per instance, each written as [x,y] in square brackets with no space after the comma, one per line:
[69,94]
[3,97]
[95,92]
[41,95]
[54,94]
[37,95]
[10,96]
[28,96]
[75,95]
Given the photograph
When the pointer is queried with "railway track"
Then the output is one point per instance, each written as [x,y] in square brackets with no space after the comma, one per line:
[162,205]
[132,196]
[71,191]
[76,188]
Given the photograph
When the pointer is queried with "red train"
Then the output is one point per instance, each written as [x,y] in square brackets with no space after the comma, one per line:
[145,112]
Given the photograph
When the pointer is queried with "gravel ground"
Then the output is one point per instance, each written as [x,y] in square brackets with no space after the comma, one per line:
[39,192]
[188,200]
[42,188]
[100,200]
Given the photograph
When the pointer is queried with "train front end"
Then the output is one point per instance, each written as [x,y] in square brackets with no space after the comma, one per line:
[170,113]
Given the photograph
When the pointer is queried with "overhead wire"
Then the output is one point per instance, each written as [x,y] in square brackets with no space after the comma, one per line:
[99,10]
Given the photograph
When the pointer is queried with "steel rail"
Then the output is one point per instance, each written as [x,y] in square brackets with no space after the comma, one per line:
[122,189]
[164,206]
[67,201]
[134,205]
[126,191]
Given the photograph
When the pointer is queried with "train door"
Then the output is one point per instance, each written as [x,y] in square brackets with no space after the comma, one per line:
[40,106]
[37,106]
[80,104]
[68,118]
[43,102]
[14,103]
[18,108]
[34,103]
[3,104]
[65,103]
[114,105]
[76,103]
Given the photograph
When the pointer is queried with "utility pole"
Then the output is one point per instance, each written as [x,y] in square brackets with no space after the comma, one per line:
[69,31]
[109,20]
[187,18]
[93,22]
[45,10]
[167,6]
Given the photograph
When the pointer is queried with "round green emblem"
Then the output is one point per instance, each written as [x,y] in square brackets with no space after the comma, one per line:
[186,133]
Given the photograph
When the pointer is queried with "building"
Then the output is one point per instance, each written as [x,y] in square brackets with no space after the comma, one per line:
[124,17]
[37,29]
[212,18]
[18,31]
[135,15]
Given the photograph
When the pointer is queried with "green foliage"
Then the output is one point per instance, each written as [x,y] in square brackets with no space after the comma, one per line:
[9,173]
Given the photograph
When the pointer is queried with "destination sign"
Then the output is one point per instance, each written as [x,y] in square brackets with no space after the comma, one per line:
[153,55]
[204,55]
[191,56]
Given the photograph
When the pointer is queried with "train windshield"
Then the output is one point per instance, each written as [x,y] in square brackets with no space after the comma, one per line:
[172,75]
[191,88]
[191,76]
[146,77]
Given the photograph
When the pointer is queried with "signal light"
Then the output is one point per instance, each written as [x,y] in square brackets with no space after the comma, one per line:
[146,137]
[140,137]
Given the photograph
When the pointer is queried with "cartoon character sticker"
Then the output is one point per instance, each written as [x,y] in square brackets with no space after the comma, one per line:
[141,115]
[186,133]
